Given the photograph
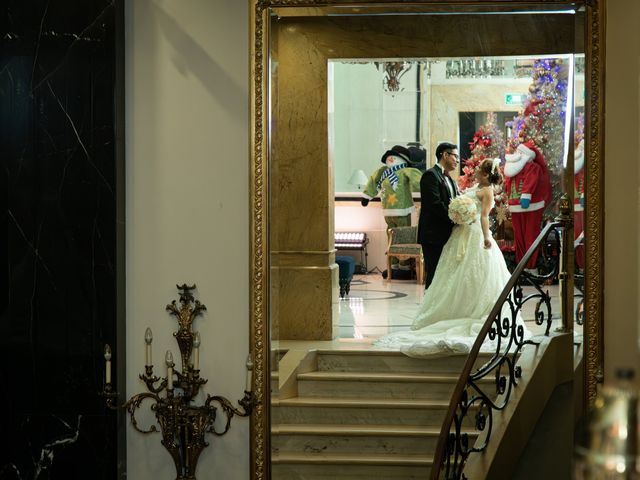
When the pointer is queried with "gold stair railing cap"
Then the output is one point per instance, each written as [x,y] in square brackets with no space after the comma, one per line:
[607,443]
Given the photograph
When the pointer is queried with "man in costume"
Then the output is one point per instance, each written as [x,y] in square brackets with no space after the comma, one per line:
[394,182]
[528,191]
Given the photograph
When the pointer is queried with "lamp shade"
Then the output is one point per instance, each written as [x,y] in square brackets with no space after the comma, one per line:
[358,178]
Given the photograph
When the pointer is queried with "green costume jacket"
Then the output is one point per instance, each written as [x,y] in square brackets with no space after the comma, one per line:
[396,202]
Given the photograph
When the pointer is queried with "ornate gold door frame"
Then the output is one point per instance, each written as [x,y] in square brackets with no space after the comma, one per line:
[260,14]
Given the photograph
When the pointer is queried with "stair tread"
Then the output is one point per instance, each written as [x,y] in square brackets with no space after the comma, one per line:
[360,430]
[378,376]
[351,459]
[338,402]
[391,353]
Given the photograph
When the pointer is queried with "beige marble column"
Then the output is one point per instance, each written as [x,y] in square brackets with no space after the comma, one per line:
[304,275]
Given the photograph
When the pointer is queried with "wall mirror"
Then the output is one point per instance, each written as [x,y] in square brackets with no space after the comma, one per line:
[318,72]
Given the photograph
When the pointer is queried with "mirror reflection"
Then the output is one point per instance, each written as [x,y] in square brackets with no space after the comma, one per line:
[354,142]
[486,107]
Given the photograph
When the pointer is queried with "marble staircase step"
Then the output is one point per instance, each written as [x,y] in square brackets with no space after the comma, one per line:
[359,411]
[388,361]
[349,466]
[364,415]
[376,385]
[385,440]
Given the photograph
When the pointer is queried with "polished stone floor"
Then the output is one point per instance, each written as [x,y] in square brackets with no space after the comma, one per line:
[375,307]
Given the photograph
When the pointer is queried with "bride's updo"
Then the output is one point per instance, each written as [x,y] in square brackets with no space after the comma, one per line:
[491,167]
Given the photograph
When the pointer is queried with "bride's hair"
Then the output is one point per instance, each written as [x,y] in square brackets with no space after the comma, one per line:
[487,167]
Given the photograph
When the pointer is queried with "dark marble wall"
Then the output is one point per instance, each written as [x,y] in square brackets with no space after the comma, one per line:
[62,259]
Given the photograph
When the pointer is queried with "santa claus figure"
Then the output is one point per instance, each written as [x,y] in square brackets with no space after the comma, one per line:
[527,188]
[578,207]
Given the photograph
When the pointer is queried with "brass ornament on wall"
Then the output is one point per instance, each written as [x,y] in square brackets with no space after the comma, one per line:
[182,424]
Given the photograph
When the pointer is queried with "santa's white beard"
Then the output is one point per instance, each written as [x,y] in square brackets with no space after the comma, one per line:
[514,167]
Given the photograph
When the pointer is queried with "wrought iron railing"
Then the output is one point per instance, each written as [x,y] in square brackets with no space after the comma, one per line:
[507,337]
[549,250]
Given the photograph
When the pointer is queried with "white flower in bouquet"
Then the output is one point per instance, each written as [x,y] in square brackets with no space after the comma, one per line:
[463,210]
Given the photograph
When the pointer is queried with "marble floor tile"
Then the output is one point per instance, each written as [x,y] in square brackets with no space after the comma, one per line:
[376,307]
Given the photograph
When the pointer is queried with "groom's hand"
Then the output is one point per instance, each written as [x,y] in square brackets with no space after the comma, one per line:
[524,202]
[364,202]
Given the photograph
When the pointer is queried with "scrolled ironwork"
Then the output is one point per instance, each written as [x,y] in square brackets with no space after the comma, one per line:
[183,425]
[549,250]
[506,339]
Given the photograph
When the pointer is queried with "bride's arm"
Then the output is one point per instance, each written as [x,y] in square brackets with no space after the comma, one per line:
[487,205]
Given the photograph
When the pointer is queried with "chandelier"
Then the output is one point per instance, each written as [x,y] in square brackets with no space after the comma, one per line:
[475,68]
[523,68]
[393,72]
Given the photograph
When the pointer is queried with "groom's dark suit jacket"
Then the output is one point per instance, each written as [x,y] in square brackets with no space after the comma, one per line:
[434,225]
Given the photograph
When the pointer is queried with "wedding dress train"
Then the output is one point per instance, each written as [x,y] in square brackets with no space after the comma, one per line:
[467,283]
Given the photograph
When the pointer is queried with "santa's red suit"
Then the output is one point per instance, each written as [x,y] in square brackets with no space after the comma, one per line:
[528,191]
[578,204]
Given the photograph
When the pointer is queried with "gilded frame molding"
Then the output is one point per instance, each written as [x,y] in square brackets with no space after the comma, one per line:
[260,11]
[594,199]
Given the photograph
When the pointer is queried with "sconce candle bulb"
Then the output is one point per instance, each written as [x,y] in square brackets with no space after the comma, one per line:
[107,358]
[196,351]
[107,367]
[148,338]
[168,358]
[249,374]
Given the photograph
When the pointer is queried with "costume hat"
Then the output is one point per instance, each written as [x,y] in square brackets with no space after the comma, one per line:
[397,151]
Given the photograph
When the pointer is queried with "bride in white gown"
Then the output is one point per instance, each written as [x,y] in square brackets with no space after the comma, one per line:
[470,276]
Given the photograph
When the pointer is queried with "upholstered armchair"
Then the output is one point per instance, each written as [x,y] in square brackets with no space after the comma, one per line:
[403,244]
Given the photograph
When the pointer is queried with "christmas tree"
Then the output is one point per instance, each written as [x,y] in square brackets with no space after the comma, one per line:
[579,129]
[488,142]
[542,120]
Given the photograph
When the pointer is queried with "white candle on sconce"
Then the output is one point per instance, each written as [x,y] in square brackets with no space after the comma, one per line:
[196,351]
[107,367]
[249,385]
[169,361]
[148,338]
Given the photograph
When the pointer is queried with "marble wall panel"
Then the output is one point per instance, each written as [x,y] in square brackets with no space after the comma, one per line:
[58,128]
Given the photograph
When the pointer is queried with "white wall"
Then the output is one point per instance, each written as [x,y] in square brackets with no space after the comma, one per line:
[187,204]
[365,120]
[622,182]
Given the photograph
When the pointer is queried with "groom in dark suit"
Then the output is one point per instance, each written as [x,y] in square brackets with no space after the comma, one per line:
[437,189]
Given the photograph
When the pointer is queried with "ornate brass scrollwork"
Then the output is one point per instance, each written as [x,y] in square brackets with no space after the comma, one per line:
[183,425]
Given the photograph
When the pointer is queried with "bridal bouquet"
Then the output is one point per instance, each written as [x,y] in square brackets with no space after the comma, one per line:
[462,210]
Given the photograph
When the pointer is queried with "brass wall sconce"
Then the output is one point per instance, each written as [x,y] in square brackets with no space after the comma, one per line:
[182,424]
